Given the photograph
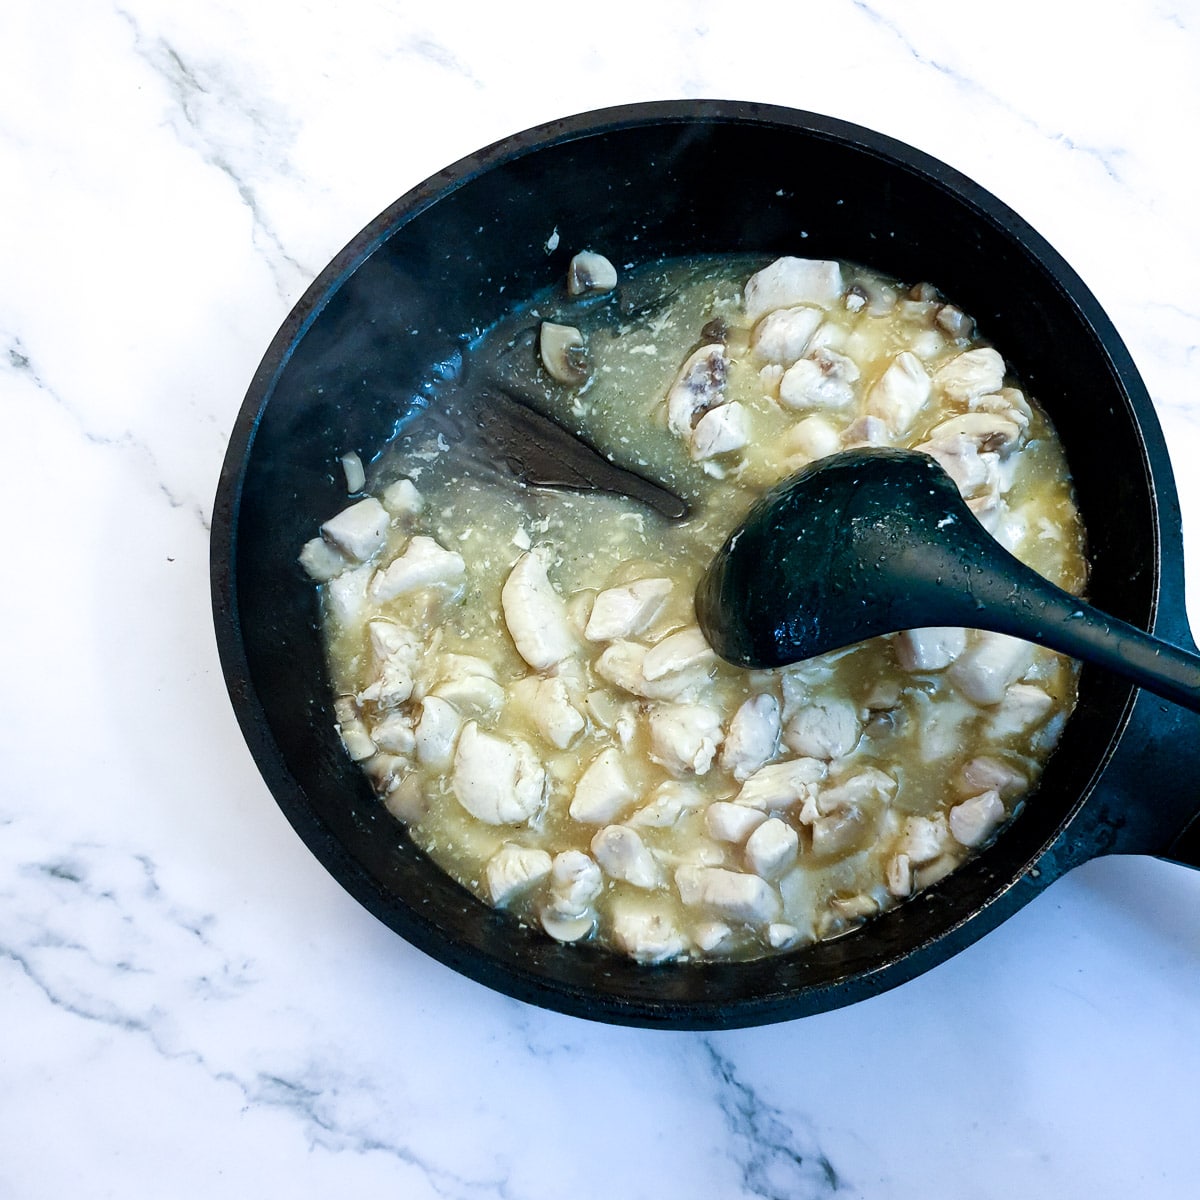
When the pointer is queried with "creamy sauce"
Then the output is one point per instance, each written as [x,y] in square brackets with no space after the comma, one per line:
[542,749]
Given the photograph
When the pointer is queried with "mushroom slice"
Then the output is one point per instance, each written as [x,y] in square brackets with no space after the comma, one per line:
[590,272]
[564,353]
[622,855]
[699,386]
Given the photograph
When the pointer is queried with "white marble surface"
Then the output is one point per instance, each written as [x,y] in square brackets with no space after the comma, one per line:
[189,1006]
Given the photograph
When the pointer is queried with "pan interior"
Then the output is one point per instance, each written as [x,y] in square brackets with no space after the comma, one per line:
[347,372]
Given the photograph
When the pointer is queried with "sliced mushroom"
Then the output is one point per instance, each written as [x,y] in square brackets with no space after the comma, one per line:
[590,272]
[564,353]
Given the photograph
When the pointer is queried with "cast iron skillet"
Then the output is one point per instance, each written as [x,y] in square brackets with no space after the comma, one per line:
[640,182]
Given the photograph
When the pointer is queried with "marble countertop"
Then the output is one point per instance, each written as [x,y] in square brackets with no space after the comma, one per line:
[189,1005]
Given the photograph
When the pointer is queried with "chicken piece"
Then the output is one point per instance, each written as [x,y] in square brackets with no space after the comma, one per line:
[781,935]
[988,431]
[575,881]
[474,693]
[437,733]
[782,785]
[709,935]
[514,869]
[734,823]
[771,848]
[932,649]
[602,792]
[321,560]
[684,737]
[406,799]
[622,664]
[423,564]
[359,531]
[352,729]
[346,596]
[868,788]
[720,431]
[788,282]
[960,458]
[899,393]
[395,733]
[394,654]
[782,336]
[622,855]
[668,802]
[975,820]
[840,832]
[922,839]
[971,374]
[535,614]
[983,674]
[826,729]
[699,386]
[810,439]
[681,651]
[402,499]
[622,612]
[645,934]
[547,705]
[497,781]
[734,895]
[824,379]
[866,431]
[753,737]
[987,774]
[1023,708]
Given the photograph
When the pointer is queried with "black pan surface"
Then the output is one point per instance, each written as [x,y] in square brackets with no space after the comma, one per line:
[644,182]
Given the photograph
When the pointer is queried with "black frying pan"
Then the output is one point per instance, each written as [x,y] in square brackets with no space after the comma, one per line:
[638,183]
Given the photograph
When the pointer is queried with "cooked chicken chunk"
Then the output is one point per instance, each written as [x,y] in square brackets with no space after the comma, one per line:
[513,869]
[782,785]
[827,729]
[753,736]
[622,855]
[436,733]
[647,935]
[772,848]
[497,781]
[734,895]
[790,281]
[975,820]
[931,649]
[684,737]
[720,431]
[603,792]
[359,531]
[984,673]
[782,336]
[626,611]
[423,564]
[971,374]
[899,393]
[824,379]
[727,822]
[535,614]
